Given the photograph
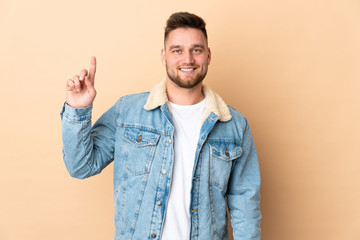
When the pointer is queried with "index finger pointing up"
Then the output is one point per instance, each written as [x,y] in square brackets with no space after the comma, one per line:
[92,69]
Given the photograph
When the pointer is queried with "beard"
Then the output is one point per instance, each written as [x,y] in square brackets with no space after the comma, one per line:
[183,83]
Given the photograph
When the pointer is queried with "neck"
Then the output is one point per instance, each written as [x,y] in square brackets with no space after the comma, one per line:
[184,96]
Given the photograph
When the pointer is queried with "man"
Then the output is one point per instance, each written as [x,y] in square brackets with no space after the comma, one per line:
[181,155]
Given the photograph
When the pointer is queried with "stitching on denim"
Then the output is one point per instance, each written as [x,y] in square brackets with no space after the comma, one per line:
[149,142]
[147,164]
[211,180]
[212,211]
[222,140]
[83,127]
[123,190]
[149,129]
[140,198]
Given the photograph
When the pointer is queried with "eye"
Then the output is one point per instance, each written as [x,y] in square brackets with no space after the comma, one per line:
[197,50]
[177,51]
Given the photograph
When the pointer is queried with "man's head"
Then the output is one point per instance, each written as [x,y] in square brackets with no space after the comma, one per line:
[186,54]
[184,20]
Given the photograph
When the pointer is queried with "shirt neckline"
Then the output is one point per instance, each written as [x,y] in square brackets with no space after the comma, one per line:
[196,105]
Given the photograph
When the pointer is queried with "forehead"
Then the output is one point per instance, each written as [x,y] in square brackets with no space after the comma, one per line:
[185,37]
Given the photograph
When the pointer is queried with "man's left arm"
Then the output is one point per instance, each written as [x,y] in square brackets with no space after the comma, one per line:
[243,194]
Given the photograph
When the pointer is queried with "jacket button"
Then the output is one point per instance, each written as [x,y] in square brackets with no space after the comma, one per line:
[164,171]
[139,139]
[169,141]
[153,235]
[159,203]
[227,153]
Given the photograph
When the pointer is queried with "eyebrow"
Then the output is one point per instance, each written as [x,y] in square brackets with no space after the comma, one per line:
[194,46]
[199,46]
[174,46]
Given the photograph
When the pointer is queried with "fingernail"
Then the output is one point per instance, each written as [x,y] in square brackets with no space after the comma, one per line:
[81,77]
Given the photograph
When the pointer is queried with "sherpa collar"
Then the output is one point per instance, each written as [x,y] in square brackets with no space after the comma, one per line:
[214,102]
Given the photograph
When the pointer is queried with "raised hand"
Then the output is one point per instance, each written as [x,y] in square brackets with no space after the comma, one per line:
[80,91]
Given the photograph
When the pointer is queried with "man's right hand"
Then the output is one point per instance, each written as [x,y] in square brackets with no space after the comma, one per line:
[80,91]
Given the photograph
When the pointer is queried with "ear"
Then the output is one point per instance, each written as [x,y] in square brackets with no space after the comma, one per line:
[163,57]
[209,56]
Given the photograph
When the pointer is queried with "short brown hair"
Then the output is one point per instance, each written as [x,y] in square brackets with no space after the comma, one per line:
[184,20]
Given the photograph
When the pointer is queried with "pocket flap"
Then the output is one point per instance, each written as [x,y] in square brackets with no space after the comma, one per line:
[226,151]
[140,137]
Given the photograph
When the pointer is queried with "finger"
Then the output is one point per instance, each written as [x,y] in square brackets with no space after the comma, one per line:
[90,87]
[69,85]
[88,83]
[77,83]
[92,69]
[83,74]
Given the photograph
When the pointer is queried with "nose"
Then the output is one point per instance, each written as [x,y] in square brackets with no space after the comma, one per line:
[189,58]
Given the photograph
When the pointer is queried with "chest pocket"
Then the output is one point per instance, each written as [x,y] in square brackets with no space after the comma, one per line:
[222,156]
[139,149]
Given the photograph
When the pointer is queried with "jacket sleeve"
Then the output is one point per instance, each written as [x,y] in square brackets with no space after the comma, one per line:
[243,194]
[87,150]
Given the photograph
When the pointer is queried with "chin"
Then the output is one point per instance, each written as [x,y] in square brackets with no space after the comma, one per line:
[186,84]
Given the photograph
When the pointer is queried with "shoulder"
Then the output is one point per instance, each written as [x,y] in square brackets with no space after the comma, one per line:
[237,117]
[235,127]
[132,99]
[135,97]
[129,102]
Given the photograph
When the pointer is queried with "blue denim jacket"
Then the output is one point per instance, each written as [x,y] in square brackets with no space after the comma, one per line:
[137,134]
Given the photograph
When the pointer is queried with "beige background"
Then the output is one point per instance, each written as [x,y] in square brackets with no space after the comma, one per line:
[291,67]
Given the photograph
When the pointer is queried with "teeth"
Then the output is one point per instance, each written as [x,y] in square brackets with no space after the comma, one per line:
[186,69]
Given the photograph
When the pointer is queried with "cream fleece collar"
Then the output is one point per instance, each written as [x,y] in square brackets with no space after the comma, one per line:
[214,102]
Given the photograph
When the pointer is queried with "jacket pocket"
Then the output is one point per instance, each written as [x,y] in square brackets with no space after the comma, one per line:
[139,149]
[222,154]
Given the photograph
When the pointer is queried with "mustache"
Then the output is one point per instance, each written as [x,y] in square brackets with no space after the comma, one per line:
[189,65]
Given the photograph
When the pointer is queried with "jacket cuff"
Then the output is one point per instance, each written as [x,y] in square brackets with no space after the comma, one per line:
[75,114]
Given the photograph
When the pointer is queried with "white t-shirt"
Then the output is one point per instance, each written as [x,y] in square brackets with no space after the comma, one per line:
[187,120]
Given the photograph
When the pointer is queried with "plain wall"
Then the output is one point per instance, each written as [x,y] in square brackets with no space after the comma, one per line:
[291,67]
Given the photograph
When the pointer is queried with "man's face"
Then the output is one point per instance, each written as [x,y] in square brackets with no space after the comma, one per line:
[186,57]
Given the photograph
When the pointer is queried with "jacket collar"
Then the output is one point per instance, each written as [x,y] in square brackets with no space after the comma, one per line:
[214,102]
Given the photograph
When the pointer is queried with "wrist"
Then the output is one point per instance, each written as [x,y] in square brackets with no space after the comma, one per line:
[78,106]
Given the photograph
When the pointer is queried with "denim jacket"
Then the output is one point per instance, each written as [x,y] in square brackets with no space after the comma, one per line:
[137,134]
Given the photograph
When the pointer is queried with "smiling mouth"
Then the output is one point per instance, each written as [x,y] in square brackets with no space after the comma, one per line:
[187,69]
